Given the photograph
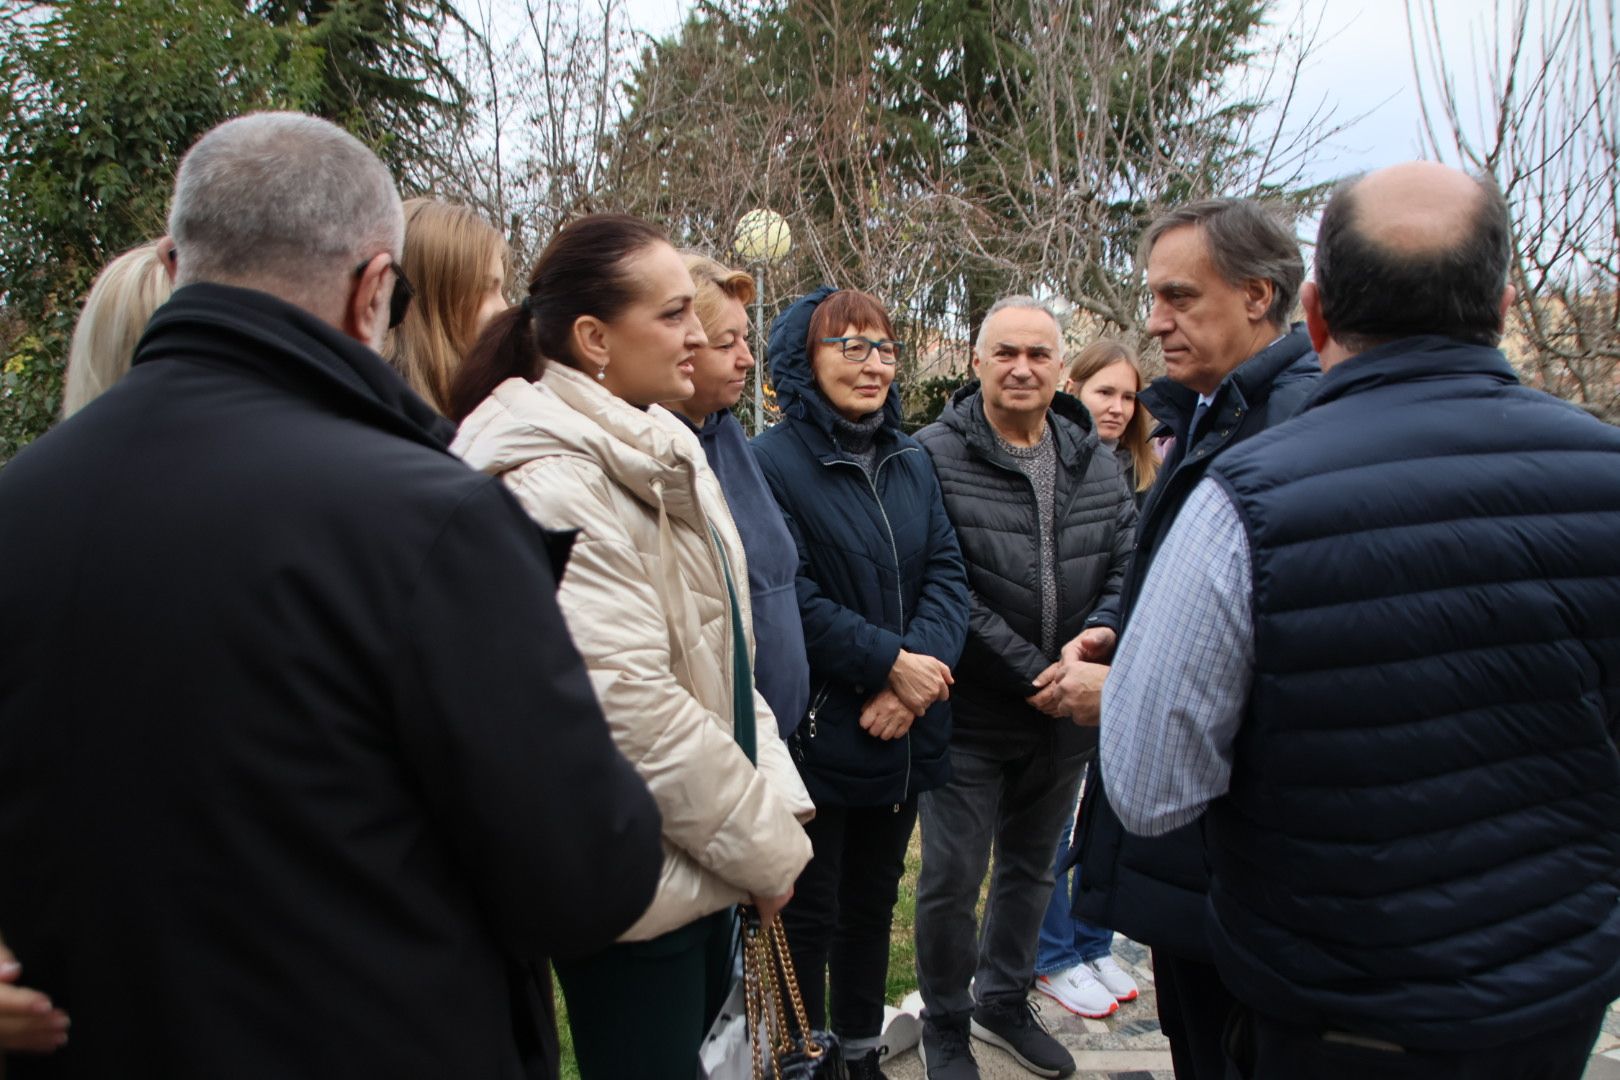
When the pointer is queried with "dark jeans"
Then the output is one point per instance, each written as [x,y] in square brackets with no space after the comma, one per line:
[843,905]
[642,1008]
[1016,797]
[1262,1049]
[1195,1009]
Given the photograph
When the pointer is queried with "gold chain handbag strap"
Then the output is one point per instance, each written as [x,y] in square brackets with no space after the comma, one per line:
[767,971]
[778,941]
[754,1002]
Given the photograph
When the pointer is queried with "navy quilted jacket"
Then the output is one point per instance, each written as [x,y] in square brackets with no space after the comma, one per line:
[879,570]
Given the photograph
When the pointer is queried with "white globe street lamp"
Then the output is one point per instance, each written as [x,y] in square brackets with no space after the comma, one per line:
[761,238]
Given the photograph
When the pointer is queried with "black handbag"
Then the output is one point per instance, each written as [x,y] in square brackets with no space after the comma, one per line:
[781,1052]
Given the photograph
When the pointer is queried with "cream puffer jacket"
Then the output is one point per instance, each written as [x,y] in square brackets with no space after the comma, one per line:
[645,599]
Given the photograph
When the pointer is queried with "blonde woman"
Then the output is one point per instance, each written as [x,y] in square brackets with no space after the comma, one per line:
[456,262]
[560,399]
[115,314]
[1106,376]
[719,373]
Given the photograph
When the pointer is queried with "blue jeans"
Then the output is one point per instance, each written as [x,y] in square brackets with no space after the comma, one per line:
[1067,940]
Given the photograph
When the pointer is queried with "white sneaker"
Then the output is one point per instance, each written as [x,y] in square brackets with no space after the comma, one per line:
[1079,991]
[901,1031]
[1110,974]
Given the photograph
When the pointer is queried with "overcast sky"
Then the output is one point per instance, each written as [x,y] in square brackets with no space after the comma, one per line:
[1361,66]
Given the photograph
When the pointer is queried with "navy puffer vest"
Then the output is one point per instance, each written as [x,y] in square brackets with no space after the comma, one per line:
[1422,838]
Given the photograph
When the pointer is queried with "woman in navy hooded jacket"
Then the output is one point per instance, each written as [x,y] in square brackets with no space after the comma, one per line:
[883,598]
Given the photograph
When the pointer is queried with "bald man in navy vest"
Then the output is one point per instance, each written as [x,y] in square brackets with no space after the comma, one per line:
[1402,718]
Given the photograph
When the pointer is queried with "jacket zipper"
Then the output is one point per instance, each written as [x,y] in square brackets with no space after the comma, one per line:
[815,706]
[899,593]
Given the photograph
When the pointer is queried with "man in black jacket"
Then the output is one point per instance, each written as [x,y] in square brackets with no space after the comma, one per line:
[1046,525]
[1223,275]
[300,774]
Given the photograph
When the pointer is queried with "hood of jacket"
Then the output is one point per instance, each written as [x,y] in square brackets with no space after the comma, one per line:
[649,453]
[1071,425]
[788,358]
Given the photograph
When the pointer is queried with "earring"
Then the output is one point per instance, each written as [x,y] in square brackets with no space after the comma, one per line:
[601,373]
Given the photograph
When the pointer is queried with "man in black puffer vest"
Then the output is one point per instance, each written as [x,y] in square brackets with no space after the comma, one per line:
[1409,690]
[1224,274]
[1046,523]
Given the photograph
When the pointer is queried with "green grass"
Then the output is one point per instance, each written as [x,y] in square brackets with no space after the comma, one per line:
[902,951]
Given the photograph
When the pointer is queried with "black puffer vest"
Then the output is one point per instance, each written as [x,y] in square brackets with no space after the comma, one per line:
[992,505]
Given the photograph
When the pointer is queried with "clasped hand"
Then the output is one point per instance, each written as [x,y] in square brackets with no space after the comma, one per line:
[915,682]
[1072,686]
[28,1020]
[919,680]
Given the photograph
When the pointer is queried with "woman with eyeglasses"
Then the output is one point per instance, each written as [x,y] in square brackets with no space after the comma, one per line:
[560,399]
[884,603]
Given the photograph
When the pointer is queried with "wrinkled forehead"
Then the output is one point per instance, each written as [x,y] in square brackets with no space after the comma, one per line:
[1029,330]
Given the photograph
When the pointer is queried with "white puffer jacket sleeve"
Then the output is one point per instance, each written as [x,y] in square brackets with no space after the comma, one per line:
[733,820]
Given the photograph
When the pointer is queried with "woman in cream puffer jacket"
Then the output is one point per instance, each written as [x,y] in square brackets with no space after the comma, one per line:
[655,592]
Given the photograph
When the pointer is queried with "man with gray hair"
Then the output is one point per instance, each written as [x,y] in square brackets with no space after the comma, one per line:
[300,774]
[1223,275]
[1046,525]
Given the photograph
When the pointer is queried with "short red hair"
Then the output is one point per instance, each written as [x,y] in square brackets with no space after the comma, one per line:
[846,307]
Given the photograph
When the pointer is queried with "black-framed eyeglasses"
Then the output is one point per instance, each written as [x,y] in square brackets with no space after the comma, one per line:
[857,349]
[399,301]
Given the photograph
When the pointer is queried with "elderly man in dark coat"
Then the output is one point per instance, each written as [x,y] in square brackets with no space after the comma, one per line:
[300,774]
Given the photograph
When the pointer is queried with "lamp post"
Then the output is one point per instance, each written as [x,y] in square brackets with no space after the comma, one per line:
[761,238]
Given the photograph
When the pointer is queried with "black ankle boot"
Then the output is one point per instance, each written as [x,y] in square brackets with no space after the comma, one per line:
[865,1067]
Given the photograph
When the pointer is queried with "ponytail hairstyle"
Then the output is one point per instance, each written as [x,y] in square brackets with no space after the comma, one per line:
[1106,352]
[583,271]
[448,250]
[125,294]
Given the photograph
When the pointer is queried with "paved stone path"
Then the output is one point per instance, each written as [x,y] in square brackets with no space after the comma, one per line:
[1129,1046]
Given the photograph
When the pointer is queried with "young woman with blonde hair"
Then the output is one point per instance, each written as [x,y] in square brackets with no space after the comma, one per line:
[1106,376]
[115,314]
[456,263]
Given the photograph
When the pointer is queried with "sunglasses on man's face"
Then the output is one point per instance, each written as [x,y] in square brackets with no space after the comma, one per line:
[400,300]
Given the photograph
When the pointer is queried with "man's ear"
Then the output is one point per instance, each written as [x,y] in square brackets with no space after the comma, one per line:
[1310,298]
[1509,295]
[169,256]
[367,302]
[1257,296]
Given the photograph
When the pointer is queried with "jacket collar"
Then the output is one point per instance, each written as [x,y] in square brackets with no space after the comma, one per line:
[1410,359]
[1245,386]
[1068,419]
[651,453]
[257,333]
